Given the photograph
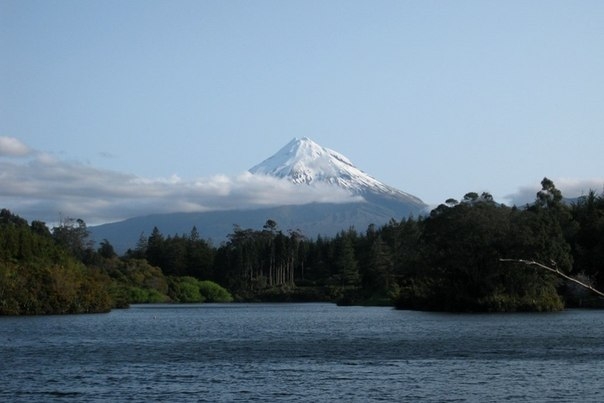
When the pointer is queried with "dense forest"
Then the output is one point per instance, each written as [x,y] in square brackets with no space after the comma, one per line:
[57,271]
[449,260]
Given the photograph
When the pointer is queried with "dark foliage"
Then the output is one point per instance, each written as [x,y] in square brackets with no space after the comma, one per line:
[39,274]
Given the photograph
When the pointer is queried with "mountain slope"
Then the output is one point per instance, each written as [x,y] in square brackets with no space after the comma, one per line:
[302,162]
[312,220]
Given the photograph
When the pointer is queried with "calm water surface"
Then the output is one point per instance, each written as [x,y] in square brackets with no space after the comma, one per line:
[301,352]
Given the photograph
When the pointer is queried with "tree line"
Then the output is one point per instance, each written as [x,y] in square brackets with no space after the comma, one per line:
[448,260]
[452,259]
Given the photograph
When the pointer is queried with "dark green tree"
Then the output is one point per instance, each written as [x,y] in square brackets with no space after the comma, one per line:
[345,261]
[155,248]
[106,250]
[73,235]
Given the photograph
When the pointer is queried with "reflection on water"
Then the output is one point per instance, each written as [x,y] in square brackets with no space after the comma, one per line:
[301,352]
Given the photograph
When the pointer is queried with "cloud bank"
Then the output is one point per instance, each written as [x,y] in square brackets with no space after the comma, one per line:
[39,186]
[12,147]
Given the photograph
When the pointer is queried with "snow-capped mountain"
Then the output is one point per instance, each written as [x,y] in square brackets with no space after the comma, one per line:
[303,161]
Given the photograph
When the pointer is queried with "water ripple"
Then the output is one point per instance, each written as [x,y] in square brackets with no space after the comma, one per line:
[303,353]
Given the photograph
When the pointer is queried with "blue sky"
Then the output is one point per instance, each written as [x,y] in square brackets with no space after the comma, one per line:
[435,98]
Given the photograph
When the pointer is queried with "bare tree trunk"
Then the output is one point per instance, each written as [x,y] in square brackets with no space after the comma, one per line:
[555,271]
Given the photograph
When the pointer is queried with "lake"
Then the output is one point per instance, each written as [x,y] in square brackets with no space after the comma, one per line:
[301,352]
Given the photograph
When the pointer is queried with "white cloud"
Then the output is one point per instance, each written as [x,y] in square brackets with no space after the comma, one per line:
[43,188]
[570,188]
[12,147]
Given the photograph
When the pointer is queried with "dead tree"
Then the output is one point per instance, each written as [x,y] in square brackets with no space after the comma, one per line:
[555,271]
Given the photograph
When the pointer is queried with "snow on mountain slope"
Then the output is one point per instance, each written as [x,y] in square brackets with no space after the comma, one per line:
[303,161]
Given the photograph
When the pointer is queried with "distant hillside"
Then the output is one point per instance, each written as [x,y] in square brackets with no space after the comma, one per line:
[314,219]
